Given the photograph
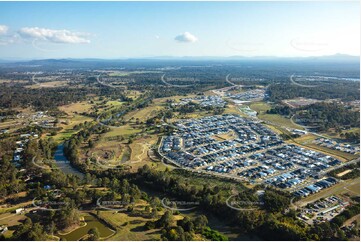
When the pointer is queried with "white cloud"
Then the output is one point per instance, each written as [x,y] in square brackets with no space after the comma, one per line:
[52,35]
[3,29]
[186,37]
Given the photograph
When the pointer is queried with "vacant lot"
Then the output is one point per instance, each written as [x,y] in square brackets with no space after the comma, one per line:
[343,173]
[260,107]
[124,130]
[227,136]
[278,119]
[351,187]
[78,107]
[50,84]
[143,114]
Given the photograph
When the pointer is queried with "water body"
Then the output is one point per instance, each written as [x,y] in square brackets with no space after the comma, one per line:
[63,163]
[91,222]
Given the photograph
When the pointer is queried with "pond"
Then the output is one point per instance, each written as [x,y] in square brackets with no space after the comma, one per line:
[63,163]
[91,222]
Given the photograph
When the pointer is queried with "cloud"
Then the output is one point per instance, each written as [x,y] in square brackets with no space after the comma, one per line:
[52,35]
[186,37]
[3,29]
[5,37]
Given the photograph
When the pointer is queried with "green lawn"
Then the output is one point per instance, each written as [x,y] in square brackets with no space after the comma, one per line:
[129,227]
[279,120]
[260,107]
[124,130]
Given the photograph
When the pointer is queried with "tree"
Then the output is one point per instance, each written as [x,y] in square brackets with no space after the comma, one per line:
[275,202]
[94,234]
[166,220]
[91,144]
[200,222]
[186,224]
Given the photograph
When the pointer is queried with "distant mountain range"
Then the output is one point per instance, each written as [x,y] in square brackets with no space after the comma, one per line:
[336,57]
[329,57]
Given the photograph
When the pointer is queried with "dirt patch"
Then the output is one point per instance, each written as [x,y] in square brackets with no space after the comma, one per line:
[343,173]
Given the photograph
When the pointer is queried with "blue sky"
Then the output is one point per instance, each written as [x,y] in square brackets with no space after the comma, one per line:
[145,29]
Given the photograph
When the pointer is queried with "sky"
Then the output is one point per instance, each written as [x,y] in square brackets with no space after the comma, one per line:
[36,30]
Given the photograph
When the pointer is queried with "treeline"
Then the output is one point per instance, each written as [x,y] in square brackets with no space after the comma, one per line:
[355,171]
[344,90]
[193,107]
[329,115]
[213,200]
[185,229]
[280,109]
[44,222]
[72,145]
[50,98]
[114,117]
[323,116]
[10,180]
[348,213]
[353,137]
[272,220]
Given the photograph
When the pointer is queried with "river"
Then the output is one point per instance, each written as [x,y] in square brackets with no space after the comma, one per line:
[63,163]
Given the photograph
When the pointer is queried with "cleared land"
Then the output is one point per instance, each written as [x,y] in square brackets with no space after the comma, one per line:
[343,173]
[143,114]
[262,107]
[50,84]
[75,108]
[11,220]
[351,187]
[124,130]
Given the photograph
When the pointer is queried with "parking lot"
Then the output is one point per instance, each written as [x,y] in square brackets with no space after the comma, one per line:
[322,210]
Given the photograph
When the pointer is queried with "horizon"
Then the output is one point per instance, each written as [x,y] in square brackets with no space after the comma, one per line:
[145,30]
[337,55]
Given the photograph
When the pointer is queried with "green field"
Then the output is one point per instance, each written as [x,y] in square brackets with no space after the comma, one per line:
[129,227]
[68,129]
[260,107]
[278,119]
[124,130]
